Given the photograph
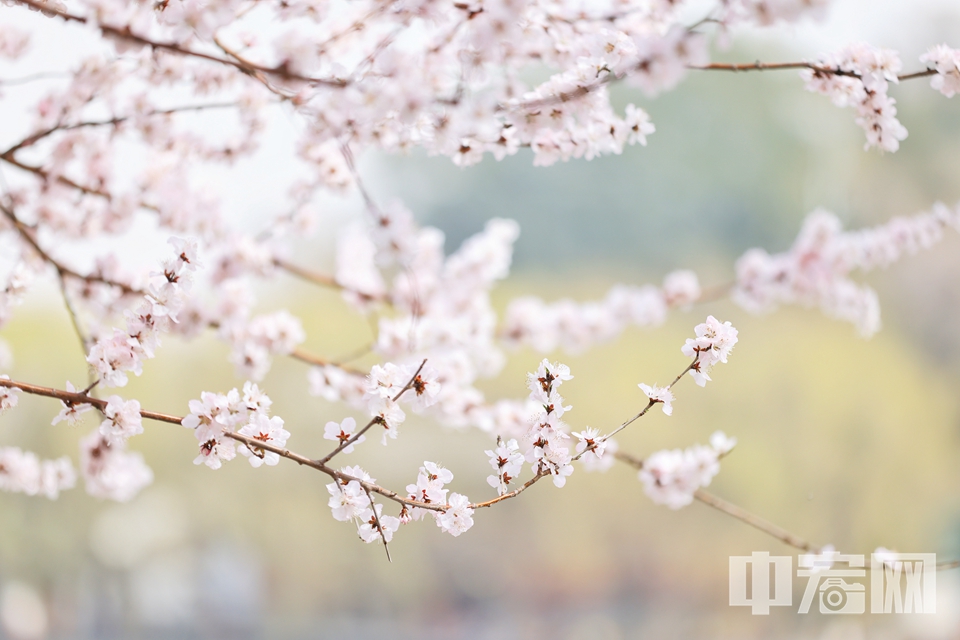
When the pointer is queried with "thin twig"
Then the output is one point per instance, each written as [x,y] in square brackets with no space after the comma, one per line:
[715,293]
[376,520]
[330,471]
[374,420]
[81,398]
[317,361]
[542,474]
[352,166]
[648,407]
[754,521]
[778,66]
[74,319]
[585,89]
[512,494]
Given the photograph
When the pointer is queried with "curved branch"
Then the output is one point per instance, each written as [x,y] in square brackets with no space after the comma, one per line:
[124,33]
[40,135]
[62,270]
[779,66]
[376,419]
[82,398]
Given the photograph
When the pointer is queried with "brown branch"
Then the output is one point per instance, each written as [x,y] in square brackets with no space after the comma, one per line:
[124,33]
[62,270]
[542,474]
[43,173]
[80,398]
[777,66]
[583,90]
[918,74]
[321,279]
[74,398]
[325,280]
[512,494]
[317,361]
[330,471]
[754,521]
[646,408]
[40,135]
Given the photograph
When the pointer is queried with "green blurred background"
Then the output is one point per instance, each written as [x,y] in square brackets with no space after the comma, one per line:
[842,440]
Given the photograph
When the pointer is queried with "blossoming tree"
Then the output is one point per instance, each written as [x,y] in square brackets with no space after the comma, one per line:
[112,141]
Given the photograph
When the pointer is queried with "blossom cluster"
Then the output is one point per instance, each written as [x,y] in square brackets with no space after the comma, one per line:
[946,62]
[110,471]
[456,518]
[440,310]
[13,291]
[350,500]
[671,477]
[246,413]
[507,462]
[815,272]
[544,439]
[23,472]
[575,327]
[113,356]
[713,344]
[859,76]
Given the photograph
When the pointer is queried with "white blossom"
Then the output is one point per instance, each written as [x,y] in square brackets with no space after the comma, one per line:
[681,288]
[858,76]
[268,431]
[946,62]
[376,528]
[109,471]
[71,411]
[722,443]
[8,396]
[122,420]
[589,441]
[713,344]
[591,462]
[458,517]
[671,477]
[343,432]
[348,498]
[507,462]
[659,394]
[389,415]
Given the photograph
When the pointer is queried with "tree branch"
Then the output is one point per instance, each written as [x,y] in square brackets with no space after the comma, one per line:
[62,270]
[375,420]
[124,33]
